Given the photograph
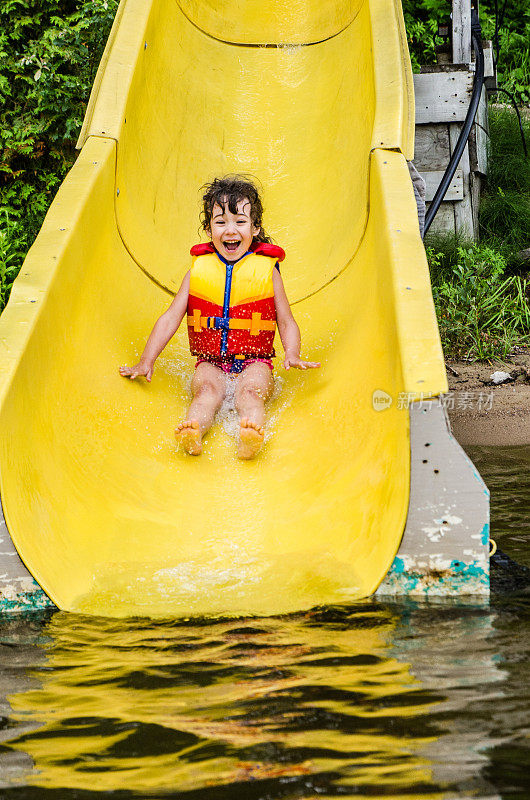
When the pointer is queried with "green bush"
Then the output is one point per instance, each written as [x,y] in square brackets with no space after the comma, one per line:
[513,69]
[505,215]
[505,205]
[482,312]
[12,251]
[421,21]
[508,167]
[49,52]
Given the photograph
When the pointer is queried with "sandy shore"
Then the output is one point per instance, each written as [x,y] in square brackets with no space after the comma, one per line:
[484,414]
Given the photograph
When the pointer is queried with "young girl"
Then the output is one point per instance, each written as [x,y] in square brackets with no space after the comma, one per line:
[234,297]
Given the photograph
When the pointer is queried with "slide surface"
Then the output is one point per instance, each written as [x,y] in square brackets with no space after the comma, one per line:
[314,99]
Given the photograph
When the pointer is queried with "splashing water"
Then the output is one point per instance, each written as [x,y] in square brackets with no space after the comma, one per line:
[228,417]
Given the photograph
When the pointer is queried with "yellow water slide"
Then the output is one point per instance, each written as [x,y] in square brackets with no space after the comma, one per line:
[313,98]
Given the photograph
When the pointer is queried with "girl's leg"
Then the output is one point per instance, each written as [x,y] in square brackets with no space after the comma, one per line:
[253,387]
[208,387]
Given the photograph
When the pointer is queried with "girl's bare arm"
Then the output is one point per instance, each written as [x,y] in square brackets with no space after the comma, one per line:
[288,328]
[164,329]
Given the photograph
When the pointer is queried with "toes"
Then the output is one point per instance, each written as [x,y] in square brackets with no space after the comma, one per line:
[253,426]
[189,437]
[187,424]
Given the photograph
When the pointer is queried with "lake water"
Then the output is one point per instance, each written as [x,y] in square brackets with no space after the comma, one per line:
[376,700]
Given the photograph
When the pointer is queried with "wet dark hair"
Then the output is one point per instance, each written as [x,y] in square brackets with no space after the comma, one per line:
[230,190]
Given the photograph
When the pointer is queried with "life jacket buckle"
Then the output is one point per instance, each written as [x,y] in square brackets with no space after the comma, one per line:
[219,323]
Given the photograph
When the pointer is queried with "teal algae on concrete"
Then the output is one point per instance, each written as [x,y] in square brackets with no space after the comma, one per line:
[19,591]
[454,579]
[19,599]
[445,547]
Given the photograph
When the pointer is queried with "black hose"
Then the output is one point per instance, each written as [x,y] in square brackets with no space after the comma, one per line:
[476,39]
[501,19]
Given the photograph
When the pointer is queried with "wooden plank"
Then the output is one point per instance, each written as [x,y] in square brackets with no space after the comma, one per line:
[489,69]
[442,96]
[482,133]
[431,149]
[463,208]
[461,31]
[433,179]
[444,221]
[475,183]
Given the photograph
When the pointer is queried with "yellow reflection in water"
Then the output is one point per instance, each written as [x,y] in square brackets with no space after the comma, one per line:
[142,706]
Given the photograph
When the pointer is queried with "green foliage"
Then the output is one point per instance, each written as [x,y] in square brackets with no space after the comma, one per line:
[505,205]
[442,250]
[508,212]
[507,166]
[48,59]
[513,69]
[12,250]
[482,312]
[422,18]
[49,52]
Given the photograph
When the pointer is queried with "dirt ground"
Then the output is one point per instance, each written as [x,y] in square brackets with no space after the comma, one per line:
[486,414]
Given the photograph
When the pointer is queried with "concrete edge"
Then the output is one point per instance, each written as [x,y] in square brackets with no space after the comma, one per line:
[19,591]
[445,547]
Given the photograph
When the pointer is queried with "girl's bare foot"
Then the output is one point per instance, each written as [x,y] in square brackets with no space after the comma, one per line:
[188,434]
[251,439]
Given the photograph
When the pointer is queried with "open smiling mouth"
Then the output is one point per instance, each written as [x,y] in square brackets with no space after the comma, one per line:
[231,246]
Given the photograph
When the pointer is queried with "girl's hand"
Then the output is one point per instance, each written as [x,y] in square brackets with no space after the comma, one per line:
[143,368]
[296,361]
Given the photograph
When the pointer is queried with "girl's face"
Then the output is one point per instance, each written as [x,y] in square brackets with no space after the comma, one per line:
[232,234]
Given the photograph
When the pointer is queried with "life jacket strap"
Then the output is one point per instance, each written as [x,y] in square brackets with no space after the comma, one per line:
[255,325]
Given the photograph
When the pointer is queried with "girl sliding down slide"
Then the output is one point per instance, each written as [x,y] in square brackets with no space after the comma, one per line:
[234,298]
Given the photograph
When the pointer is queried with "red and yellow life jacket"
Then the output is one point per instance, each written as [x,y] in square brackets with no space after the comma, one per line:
[231,309]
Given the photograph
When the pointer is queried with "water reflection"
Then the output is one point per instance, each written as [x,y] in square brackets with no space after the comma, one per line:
[20,651]
[366,700]
[506,470]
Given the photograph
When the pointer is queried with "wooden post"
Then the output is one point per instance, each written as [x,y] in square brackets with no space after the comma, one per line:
[443,93]
[461,31]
